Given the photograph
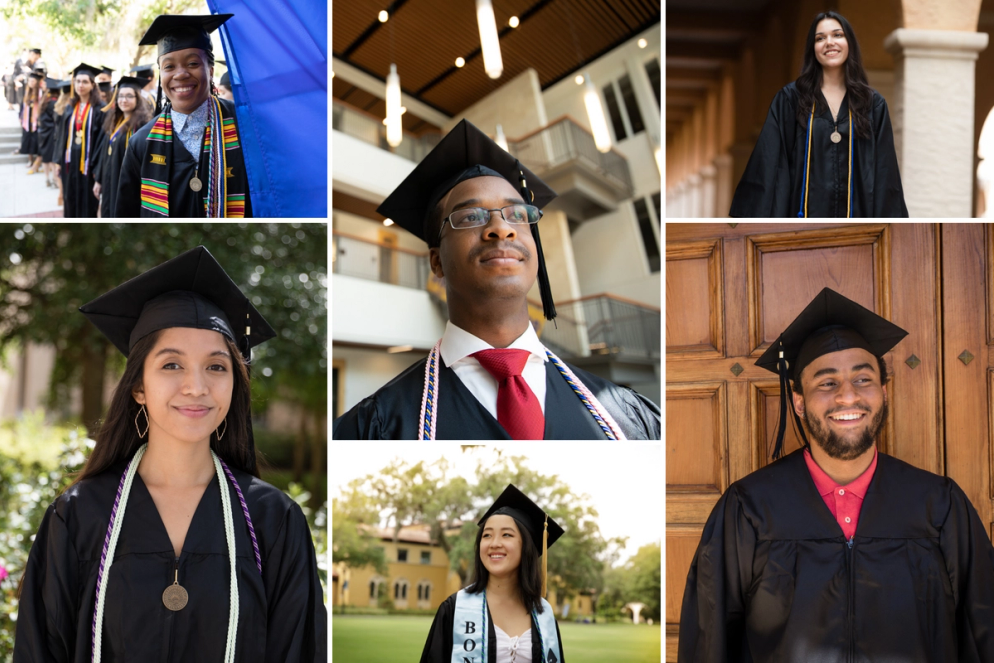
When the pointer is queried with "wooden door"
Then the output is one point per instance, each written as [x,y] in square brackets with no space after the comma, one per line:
[732,288]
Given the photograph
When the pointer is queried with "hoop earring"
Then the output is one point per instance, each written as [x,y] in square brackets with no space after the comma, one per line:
[221,434]
[141,435]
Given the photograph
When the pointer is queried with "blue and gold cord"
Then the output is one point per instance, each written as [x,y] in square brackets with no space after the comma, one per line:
[593,411]
[803,211]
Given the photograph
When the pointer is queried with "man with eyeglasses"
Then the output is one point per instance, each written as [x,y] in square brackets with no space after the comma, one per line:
[489,377]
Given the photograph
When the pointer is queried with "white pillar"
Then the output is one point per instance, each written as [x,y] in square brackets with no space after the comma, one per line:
[708,191]
[694,193]
[724,187]
[932,114]
[680,194]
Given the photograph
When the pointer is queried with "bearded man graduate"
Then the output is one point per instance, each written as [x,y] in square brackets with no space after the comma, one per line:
[188,161]
[489,377]
[838,552]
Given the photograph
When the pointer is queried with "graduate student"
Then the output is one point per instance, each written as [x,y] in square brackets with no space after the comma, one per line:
[46,131]
[125,113]
[168,547]
[31,106]
[503,612]
[827,148]
[838,552]
[146,73]
[83,128]
[489,377]
[189,162]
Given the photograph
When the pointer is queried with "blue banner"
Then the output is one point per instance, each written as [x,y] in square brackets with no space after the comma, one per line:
[277,55]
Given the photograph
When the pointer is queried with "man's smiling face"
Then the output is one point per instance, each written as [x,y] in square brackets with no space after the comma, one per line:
[844,402]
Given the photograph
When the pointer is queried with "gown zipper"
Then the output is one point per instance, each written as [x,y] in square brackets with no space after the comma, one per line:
[850,557]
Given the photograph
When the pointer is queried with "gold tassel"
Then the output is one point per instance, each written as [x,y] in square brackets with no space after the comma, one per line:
[545,556]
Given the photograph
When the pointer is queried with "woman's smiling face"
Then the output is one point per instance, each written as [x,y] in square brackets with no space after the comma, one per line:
[187,385]
[500,545]
[831,46]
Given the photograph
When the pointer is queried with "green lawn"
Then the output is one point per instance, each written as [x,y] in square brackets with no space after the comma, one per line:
[399,639]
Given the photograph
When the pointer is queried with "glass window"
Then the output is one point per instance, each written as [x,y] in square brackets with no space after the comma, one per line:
[426,557]
[396,590]
[614,112]
[427,591]
[372,589]
[648,236]
[403,592]
[401,554]
[628,96]
[419,592]
[652,69]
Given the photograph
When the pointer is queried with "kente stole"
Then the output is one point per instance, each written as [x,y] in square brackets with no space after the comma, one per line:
[470,629]
[222,197]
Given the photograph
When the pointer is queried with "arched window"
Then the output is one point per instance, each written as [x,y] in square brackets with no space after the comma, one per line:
[372,589]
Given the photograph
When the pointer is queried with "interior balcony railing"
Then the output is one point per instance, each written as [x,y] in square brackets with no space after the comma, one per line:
[370,129]
[378,261]
[605,325]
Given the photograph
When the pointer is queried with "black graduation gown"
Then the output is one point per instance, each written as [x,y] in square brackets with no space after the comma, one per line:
[29,138]
[773,181]
[77,187]
[183,201]
[46,132]
[775,580]
[438,646]
[109,171]
[394,412]
[281,615]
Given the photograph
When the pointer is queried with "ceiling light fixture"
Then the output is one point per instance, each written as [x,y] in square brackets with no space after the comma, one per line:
[489,42]
[514,22]
[460,62]
[643,43]
[384,16]
[394,110]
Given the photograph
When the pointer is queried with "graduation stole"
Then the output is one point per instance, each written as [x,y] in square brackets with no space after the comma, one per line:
[470,628]
[429,398]
[157,169]
[30,110]
[803,212]
[85,124]
[113,136]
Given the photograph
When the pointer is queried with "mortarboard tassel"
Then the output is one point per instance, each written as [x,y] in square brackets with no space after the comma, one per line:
[545,556]
[786,405]
[158,99]
[544,289]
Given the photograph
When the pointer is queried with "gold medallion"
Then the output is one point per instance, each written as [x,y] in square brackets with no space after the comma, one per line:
[175,597]
[836,137]
[79,140]
[196,184]
[110,150]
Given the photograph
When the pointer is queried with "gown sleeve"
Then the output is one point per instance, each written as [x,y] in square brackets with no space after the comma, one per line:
[362,422]
[764,190]
[712,620]
[45,619]
[888,199]
[970,563]
[129,185]
[438,646]
[298,621]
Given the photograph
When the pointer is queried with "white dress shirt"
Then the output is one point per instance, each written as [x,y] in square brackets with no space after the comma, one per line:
[513,650]
[457,346]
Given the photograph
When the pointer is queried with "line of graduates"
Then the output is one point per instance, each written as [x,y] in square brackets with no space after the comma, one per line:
[112,149]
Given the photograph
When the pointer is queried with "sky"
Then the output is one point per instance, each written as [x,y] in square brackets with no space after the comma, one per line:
[625,481]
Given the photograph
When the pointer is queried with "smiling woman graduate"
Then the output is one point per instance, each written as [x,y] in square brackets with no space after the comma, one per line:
[489,377]
[168,546]
[503,612]
[82,128]
[125,112]
[188,162]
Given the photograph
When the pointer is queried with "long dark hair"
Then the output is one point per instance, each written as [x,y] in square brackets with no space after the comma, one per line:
[858,90]
[529,575]
[117,440]
[140,116]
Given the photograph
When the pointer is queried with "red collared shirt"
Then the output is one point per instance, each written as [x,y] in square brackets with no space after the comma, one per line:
[844,502]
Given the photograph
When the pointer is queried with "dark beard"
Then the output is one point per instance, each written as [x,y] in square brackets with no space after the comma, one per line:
[837,447]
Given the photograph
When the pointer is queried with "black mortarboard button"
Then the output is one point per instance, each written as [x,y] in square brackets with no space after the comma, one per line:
[829,323]
[512,502]
[85,68]
[191,290]
[464,153]
[176,32]
[132,81]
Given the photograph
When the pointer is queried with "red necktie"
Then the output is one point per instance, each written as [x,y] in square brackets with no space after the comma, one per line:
[518,410]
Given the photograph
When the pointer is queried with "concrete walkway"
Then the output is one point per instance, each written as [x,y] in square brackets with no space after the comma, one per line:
[21,194]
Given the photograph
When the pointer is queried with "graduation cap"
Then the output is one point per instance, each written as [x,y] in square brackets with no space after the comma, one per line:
[176,32]
[144,71]
[82,68]
[830,323]
[35,50]
[104,86]
[52,83]
[66,85]
[465,153]
[104,69]
[544,530]
[225,80]
[191,290]
[132,81]
[37,75]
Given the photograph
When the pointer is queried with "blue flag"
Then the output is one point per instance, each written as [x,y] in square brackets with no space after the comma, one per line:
[277,55]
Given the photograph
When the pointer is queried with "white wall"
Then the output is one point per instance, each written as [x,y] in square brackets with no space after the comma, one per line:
[376,313]
[517,105]
[368,370]
[364,228]
[364,170]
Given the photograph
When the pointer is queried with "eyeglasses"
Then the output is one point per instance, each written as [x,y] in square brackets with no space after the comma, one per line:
[474,217]
[127,97]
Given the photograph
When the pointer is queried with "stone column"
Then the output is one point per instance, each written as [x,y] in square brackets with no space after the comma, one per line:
[724,187]
[694,199]
[933,119]
[708,192]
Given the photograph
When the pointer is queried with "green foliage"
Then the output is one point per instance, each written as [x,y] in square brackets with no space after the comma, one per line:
[639,580]
[353,546]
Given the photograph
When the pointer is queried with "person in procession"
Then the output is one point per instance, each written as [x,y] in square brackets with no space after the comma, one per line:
[46,131]
[503,613]
[147,74]
[838,552]
[126,112]
[188,162]
[81,134]
[31,106]
[61,109]
[168,547]
[489,377]
[827,147]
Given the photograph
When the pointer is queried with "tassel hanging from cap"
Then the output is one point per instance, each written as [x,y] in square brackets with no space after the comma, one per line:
[545,556]
[158,99]
[544,289]
[786,405]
